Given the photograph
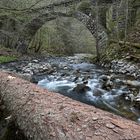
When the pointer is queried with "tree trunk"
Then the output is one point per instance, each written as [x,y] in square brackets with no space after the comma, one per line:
[43,115]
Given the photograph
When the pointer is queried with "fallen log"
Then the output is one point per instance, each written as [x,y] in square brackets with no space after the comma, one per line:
[43,115]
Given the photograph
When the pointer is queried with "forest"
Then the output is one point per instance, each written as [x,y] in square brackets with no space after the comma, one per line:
[69,69]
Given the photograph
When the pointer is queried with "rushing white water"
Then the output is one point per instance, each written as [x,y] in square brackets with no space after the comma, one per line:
[56,86]
[90,90]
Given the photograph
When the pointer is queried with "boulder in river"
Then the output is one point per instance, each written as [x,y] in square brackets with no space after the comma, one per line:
[81,88]
[103,77]
[137,98]
[132,83]
[97,92]
[107,83]
[137,101]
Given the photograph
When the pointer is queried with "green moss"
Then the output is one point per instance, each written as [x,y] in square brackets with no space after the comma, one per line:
[5,59]
[111,52]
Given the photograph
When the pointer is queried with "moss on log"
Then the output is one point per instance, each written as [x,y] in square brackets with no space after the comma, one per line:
[43,115]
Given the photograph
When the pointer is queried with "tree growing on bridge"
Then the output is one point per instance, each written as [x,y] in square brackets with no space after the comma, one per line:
[33,10]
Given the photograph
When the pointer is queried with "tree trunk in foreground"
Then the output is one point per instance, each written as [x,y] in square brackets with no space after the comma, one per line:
[43,115]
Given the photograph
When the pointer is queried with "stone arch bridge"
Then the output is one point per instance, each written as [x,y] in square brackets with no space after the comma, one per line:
[31,28]
[51,12]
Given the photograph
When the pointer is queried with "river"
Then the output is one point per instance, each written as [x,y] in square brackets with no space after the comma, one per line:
[80,80]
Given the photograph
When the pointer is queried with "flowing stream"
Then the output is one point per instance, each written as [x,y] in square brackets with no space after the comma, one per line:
[93,85]
[80,80]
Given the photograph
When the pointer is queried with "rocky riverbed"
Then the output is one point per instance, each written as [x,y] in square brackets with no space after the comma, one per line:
[124,67]
[116,89]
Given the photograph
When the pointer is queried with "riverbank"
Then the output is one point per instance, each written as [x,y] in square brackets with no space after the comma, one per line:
[105,85]
[49,115]
[76,70]
[122,66]
[122,58]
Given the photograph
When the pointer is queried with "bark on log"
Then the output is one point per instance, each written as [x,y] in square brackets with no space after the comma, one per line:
[44,115]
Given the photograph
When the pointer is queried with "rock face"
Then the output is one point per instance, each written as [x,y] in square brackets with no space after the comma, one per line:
[46,115]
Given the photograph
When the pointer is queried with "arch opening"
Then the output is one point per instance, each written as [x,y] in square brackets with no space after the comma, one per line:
[35,26]
[64,35]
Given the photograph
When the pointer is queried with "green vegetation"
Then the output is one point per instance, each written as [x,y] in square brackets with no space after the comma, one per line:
[65,36]
[8,55]
[5,59]
[113,51]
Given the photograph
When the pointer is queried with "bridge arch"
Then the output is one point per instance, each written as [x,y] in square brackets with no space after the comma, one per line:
[34,25]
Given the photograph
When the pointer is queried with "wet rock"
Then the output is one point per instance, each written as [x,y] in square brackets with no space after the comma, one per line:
[130,97]
[137,101]
[37,77]
[81,88]
[132,83]
[123,71]
[28,70]
[137,98]
[35,61]
[65,68]
[120,63]
[111,71]
[103,78]
[106,77]
[107,83]
[119,81]
[97,92]
[34,68]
